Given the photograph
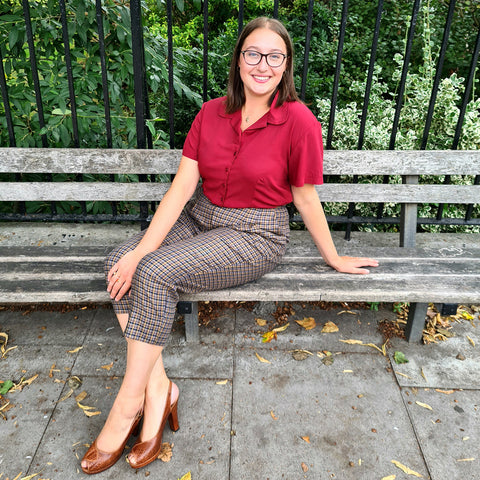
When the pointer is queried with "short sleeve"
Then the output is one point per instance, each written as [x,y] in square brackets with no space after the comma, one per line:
[306,156]
[192,142]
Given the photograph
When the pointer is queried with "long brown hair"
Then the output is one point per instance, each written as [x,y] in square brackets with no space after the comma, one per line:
[286,87]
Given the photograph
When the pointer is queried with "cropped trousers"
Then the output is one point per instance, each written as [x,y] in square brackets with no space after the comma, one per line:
[208,248]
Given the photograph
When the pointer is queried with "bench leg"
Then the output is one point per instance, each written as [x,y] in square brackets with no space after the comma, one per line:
[416,321]
[449,309]
[190,313]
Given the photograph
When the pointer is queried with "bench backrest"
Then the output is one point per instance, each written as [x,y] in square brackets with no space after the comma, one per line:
[409,164]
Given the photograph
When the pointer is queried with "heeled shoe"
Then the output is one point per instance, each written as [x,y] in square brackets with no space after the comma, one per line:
[98,461]
[143,453]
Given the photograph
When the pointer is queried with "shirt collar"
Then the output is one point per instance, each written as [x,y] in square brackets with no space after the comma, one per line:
[276,115]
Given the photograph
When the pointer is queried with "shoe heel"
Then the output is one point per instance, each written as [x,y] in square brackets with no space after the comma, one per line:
[136,429]
[173,417]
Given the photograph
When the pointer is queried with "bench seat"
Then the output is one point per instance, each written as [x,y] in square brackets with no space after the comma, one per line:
[37,269]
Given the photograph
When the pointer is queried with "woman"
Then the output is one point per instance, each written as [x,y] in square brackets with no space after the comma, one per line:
[256,150]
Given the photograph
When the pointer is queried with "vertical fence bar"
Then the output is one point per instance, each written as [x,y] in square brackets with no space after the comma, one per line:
[205,50]
[308,37]
[6,104]
[438,75]
[338,68]
[68,64]
[275,9]
[138,71]
[106,96]
[403,79]
[433,97]
[401,93]
[371,67]
[366,101]
[241,12]
[33,64]
[139,83]
[170,71]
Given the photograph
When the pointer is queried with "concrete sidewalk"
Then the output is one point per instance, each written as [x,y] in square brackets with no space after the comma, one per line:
[241,418]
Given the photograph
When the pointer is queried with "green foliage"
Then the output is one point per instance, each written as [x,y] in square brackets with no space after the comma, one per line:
[86,70]
[411,128]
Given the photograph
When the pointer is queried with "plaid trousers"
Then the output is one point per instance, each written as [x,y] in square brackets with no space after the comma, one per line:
[208,248]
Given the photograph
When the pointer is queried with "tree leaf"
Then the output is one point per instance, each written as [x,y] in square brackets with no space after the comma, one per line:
[330,327]
[399,358]
[263,360]
[406,470]
[5,387]
[307,323]
[424,405]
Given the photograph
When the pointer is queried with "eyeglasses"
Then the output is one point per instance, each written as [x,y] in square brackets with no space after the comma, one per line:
[274,60]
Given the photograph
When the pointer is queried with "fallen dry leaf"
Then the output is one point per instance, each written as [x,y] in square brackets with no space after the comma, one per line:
[351,341]
[81,396]
[330,327]
[306,439]
[23,383]
[424,405]
[301,355]
[166,452]
[273,415]
[263,360]
[390,477]
[3,345]
[267,337]
[471,341]
[29,477]
[88,410]
[187,476]
[382,350]
[347,311]
[446,392]
[261,322]
[75,350]
[304,467]
[406,470]
[466,460]
[107,367]
[222,382]
[308,323]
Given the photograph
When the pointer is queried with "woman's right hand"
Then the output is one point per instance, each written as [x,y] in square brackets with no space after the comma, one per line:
[121,274]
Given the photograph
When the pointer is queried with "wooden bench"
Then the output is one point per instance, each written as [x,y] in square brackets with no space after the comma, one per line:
[445,271]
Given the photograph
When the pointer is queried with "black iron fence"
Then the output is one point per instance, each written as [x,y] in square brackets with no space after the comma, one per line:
[469,214]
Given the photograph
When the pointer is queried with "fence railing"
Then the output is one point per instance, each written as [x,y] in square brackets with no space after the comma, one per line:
[142,91]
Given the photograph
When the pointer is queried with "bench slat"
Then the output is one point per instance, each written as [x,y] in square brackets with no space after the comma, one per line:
[136,161]
[329,192]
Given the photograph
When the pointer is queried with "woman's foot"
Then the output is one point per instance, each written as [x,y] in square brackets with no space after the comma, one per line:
[160,406]
[109,445]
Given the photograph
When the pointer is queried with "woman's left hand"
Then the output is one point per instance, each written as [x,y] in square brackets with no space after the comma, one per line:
[354,265]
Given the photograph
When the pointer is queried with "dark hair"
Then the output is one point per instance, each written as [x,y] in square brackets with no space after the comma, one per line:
[286,87]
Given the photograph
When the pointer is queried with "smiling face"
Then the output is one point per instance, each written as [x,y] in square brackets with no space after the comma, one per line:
[261,80]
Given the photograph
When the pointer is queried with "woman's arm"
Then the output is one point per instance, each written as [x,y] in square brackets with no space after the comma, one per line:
[167,213]
[308,205]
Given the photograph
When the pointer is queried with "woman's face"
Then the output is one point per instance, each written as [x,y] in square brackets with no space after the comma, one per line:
[261,80]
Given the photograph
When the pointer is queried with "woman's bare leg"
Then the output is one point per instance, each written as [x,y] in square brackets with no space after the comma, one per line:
[141,360]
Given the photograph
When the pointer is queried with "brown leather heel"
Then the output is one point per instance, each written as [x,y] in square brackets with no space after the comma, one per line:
[98,461]
[148,451]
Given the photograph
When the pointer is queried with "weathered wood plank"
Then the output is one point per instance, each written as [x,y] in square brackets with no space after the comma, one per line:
[427,288]
[135,161]
[329,192]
